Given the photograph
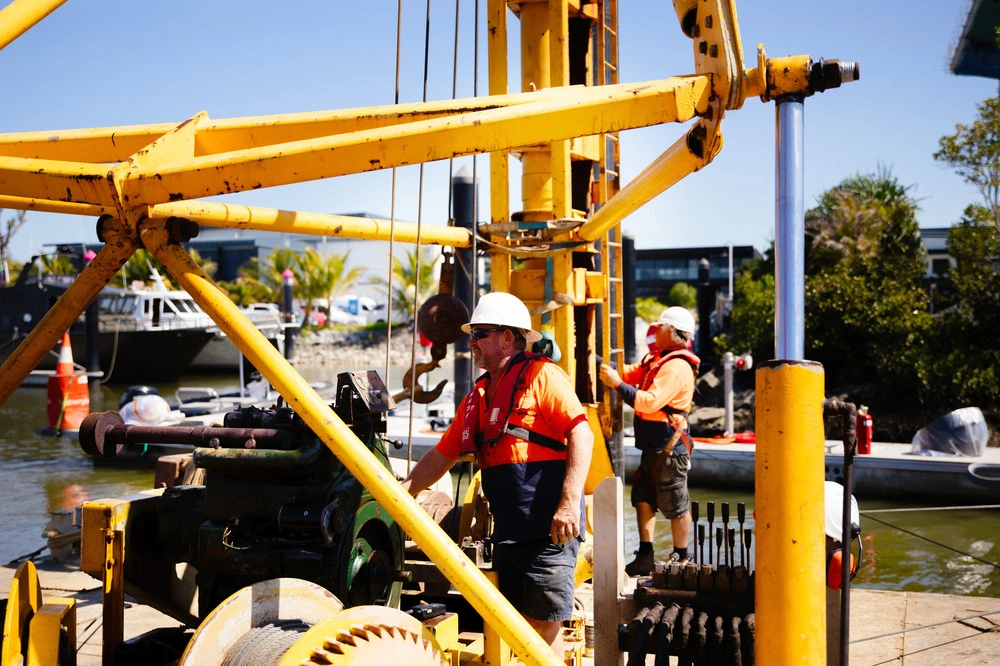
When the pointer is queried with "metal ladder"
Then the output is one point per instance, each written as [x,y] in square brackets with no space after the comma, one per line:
[607,183]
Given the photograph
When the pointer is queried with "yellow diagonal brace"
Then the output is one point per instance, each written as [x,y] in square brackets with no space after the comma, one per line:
[116,144]
[318,224]
[563,114]
[379,481]
[56,180]
[20,15]
[45,206]
[118,247]
[677,162]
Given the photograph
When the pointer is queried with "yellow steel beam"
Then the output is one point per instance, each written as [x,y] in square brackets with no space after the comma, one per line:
[56,180]
[116,144]
[20,15]
[46,206]
[669,168]
[379,481]
[118,247]
[499,160]
[317,224]
[571,112]
[789,513]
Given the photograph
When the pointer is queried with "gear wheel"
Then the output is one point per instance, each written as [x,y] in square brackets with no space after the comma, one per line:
[366,635]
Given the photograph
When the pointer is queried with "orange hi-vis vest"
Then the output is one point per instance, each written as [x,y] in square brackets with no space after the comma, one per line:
[507,419]
[654,430]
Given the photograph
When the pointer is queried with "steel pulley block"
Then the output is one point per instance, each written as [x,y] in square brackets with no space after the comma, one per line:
[441,317]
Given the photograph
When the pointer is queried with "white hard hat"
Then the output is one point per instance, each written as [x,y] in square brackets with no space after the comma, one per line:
[678,317]
[501,309]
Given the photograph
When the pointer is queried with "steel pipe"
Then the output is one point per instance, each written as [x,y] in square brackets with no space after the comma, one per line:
[789,243]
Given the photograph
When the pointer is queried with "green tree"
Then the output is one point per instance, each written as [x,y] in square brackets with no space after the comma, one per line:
[325,276]
[966,362]
[973,151]
[406,282]
[261,281]
[683,295]
[53,264]
[648,309]
[140,267]
[866,317]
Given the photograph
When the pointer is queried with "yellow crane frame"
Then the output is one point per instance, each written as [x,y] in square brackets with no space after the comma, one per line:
[145,182]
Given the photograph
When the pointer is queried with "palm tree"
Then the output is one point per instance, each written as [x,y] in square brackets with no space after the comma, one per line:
[325,276]
[142,263]
[405,280]
[263,278]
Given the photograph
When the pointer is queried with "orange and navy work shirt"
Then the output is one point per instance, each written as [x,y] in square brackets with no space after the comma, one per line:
[523,481]
[672,386]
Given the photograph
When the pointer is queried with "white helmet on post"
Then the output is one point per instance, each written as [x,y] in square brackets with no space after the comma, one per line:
[678,317]
[500,309]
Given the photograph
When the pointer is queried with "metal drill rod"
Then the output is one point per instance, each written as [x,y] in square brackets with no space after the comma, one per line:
[725,531]
[741,516]
[694,532]
[701,544]
[731,557]
[711,519]
[746,544]
[718,546]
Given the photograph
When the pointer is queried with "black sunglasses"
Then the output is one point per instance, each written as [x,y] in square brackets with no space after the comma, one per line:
[481,333]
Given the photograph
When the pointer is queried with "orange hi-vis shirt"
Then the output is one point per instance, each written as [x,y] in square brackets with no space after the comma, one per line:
[523,481]
[673,386]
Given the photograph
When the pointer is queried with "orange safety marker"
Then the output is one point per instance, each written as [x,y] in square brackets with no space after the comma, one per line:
[68,392]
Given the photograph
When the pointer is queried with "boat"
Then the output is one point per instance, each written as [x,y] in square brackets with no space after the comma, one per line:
[142,335]
[220,355]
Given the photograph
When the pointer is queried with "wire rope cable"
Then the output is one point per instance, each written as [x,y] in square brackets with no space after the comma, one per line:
[416,261]
[936,543]
[392,213]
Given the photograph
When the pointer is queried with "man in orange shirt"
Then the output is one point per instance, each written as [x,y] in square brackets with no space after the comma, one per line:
[533,444]
[660,390]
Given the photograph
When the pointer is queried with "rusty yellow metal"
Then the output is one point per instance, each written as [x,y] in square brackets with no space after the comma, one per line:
[20,15]
[56,180]
[118,247]
[790,599]
[318,224]
[789,75]
[24,598]
[561,114]
[117,144]
[104,514]
[677,162]
[499,160]
[46,206]
[301,397]
[55,615]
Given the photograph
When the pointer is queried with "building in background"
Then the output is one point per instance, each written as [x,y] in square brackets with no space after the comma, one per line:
[658,270]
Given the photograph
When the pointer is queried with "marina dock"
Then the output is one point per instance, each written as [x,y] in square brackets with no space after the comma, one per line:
[906,628]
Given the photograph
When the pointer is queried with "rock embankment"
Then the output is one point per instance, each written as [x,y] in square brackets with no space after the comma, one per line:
[353,348]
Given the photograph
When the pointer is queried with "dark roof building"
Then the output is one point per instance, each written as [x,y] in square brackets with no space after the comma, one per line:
[658,270]
[976,53]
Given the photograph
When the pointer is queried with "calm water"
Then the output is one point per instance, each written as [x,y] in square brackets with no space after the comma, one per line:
[40,474]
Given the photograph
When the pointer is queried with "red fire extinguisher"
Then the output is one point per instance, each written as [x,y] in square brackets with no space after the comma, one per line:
[863,429]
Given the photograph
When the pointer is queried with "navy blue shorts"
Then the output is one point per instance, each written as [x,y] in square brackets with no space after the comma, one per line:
[538,577]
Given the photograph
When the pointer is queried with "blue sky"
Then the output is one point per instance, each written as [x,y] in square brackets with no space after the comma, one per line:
[118,63]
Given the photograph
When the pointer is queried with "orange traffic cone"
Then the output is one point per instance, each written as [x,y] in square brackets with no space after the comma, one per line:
[68,393]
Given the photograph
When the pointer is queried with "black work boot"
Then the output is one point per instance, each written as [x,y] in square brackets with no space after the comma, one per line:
[642,565]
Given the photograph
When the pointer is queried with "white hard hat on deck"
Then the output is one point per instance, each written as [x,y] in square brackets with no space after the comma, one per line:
[678,317]
[501,309]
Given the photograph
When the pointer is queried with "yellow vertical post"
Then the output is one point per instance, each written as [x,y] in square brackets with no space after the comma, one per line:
[499,161]
[790,603]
